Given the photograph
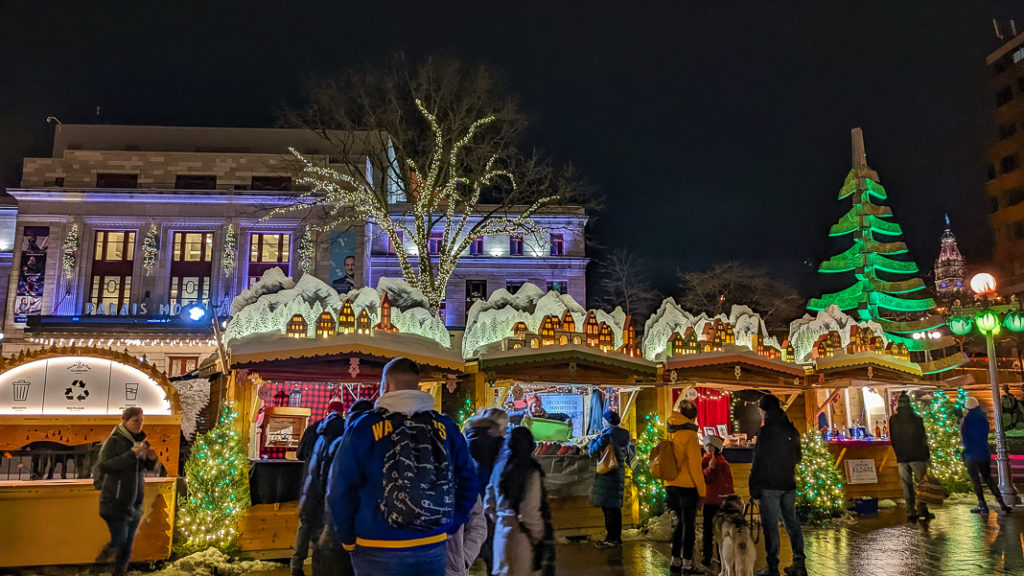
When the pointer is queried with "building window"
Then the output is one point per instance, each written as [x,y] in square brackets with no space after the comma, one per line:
[401,240]
[181,365]
[515,245]
[275,183]
[195,182]
[1018,230]
[560,286]
[1014,197]
[475,290]
[1018,55]
[1004,96]
[107,180]
[513,286]
[557,245]
[434,242]
[1008,163]
[113,259]
[995,203]
[1007,130]
[268,251]
[191,267]
[476,247]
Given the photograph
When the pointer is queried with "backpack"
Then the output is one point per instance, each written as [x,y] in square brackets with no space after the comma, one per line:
[419,487]
[662,462]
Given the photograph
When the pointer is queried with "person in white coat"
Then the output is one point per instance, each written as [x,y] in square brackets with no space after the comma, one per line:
[515,502]
[464,546]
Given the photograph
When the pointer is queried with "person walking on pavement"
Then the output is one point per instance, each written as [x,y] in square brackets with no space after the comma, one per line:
[123,460]
[718,478]
[910,444]
[516,502]
[311,506]
[685,491]
[401,481]
[773,484]
[974,432]
[485,434]
[606,493]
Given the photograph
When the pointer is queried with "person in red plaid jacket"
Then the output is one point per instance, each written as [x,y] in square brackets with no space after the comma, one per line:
[718,478]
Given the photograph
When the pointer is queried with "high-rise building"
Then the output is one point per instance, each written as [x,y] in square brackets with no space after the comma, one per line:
[950,271]
[1005,185]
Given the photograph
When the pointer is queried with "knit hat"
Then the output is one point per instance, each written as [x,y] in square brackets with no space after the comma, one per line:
[336,405]
[769,403]
[715,441]
[971,403]
[360,406]
[612,417]
[688,409]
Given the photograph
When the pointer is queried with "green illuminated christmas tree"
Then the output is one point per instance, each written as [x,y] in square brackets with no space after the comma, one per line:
[217,476]
[942,425]
[650,490]
[819,483]
[885,289]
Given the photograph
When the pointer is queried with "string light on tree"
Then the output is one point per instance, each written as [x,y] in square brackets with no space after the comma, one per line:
[942,424]
[70,252]
[217,478]
[819,482]
[150,249]
[230,251]
[307,250]
[650,490]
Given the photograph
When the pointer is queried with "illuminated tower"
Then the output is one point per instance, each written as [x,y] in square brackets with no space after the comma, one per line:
[950,270]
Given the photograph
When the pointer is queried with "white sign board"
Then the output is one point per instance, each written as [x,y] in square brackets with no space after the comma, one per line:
[571,404]
[79,385]
[861,472]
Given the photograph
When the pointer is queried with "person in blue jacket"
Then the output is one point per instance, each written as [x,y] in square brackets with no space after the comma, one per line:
[974,432]
[405,534]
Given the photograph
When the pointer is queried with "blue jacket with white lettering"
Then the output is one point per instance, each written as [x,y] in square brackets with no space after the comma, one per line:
[355,487]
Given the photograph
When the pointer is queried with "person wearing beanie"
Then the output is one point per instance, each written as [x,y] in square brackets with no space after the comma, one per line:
[485,435]
[718,478]
[683,494]
[606,493]
[910,444]
[773,484]
[974,433]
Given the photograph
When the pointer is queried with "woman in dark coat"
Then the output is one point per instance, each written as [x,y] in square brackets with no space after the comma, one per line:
[123,459]
[607,491]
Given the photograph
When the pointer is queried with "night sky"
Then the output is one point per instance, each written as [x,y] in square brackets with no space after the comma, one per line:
[715,132]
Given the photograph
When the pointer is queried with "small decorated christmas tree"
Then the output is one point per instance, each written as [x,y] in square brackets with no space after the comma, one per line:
[217,476]
[465,413]
[650,490]
[942,425]
[819,483]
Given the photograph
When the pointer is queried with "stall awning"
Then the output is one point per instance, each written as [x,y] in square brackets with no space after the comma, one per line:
[868,362]
[570,359]
[734,370]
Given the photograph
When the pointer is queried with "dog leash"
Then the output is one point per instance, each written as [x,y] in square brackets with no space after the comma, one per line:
[755,522]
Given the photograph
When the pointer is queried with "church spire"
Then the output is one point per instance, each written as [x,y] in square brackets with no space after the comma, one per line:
[950,269]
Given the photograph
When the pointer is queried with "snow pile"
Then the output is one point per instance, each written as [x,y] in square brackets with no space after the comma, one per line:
[492,320]
[886,504]
[671,318]
[804,332]
[194,395]
[278,301]
[658,529]
[212,562]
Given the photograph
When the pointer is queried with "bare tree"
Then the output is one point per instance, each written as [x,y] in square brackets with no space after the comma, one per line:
[421,151]
[716,290]
[623,284]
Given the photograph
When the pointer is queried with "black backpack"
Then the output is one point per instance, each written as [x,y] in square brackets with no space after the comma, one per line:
[419,488]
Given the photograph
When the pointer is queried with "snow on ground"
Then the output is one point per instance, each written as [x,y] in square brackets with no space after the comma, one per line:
[886,503]
[212,562]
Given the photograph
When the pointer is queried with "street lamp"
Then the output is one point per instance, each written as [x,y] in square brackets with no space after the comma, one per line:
[199,314]
[989,317]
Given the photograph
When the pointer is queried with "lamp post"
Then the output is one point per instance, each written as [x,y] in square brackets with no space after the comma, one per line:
[988,315]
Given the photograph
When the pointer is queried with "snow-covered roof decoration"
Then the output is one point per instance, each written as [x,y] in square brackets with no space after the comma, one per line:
[492,320]
[671,318]
[270,304]
[805,332]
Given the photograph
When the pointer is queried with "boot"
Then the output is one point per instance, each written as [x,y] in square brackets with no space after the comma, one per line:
[796,570]
[1002,504]
[676,569]
[981,508]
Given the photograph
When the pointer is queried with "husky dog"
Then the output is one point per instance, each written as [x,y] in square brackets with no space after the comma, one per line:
[732,533]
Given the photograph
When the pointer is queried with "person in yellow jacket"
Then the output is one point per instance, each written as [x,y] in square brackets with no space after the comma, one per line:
[686,490]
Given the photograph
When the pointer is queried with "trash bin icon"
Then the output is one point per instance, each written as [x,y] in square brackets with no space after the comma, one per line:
[131,390]
[21,390]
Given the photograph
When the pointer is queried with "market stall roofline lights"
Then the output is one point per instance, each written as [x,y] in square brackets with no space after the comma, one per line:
[730,358]
[563,352]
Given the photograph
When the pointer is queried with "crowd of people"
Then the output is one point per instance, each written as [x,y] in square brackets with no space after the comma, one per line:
[394,487]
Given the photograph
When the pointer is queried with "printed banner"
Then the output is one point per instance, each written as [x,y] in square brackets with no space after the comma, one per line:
[343,261]
[28,299]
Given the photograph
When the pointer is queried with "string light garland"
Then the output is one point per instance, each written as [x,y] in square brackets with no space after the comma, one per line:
[217,477]
[150,249]
[124,342]
[942,425]
[230,251]
[650,490]
[819,482]
[307,251]
[465,413]
[70,252]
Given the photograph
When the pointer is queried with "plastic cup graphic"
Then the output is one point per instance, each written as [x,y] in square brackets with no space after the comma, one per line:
[21,390]
[131,389]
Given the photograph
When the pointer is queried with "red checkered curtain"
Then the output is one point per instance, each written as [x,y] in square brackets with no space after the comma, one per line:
[315,396]
[713,408]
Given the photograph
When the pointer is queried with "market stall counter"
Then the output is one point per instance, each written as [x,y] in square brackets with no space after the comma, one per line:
[869,467]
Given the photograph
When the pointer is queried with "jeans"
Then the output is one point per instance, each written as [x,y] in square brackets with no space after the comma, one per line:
[775,504]
[981,473]
[709,533]
[301,548]
[613,524]
[911,473]
[122,537]
[420,561]
[683,501]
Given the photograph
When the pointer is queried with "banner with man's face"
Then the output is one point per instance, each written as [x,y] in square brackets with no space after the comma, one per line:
[343,261]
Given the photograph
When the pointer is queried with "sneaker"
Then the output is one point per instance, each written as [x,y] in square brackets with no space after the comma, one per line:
[979,510]
[607,544]
[1006,509]
[676,569]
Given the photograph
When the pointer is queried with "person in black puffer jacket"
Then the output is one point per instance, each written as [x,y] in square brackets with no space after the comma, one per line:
[910,443]
[122,463]
[485,434]
[606,493]
[773,483]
